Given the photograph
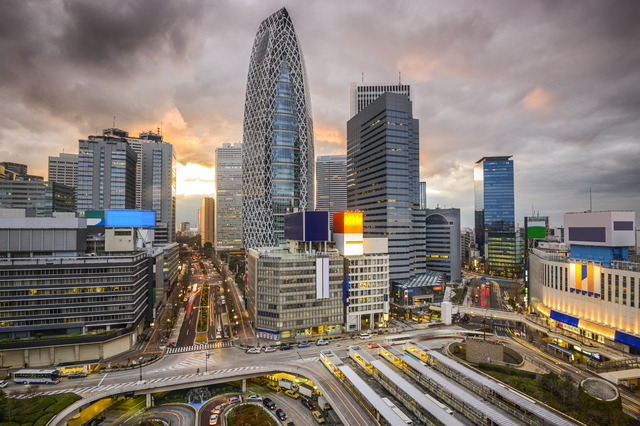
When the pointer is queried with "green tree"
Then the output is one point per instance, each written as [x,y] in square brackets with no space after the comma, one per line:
[4,409]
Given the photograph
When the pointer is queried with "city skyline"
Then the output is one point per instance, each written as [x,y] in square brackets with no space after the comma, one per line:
[554,85]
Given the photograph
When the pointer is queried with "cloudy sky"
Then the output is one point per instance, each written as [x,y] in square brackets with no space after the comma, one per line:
[555,84]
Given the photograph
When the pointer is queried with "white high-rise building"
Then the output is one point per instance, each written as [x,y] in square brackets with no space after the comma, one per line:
[229,197]
[64,170]
[331,184]
[361,95]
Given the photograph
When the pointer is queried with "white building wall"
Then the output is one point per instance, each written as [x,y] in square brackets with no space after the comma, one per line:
[368,284]
[554,292]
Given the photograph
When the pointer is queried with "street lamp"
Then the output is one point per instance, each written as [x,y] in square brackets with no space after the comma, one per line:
[140,360]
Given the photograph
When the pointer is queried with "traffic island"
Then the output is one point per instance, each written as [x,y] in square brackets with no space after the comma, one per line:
[477,351]
[249,414]
[33,409]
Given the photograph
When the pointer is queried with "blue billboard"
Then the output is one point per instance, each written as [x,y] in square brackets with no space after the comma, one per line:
[294,226]
[130,218]
[307,226]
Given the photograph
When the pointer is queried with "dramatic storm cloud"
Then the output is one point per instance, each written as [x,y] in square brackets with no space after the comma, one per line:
[555,84]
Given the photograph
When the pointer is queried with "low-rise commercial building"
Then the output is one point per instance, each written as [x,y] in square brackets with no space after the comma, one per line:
[54,283]
[366,273]
[42,196]
[296,290]
[592,291]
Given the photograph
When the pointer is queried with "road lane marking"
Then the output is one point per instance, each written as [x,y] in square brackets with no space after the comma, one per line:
[104,377]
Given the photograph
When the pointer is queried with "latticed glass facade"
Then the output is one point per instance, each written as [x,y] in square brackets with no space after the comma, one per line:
[278,153]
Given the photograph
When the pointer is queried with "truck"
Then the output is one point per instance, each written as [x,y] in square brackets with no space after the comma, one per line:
[306,390]
[287,384]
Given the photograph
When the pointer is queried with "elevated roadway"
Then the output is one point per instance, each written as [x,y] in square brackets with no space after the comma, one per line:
[349,410]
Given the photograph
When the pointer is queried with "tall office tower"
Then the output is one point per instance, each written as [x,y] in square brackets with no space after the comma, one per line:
[443,242]
[496,235]
[229,197]
[64,170]
[208,221]
[465,243]
[423,195]
[185,226]
[361,95]
[331,184]
[278,153]
[200,221]
[155,179]
[382,179]
[106,174]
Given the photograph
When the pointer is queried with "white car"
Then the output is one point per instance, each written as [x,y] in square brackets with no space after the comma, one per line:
[3,383]
[234,399]
[269,349]
[256,398]
[213,419]
[253,351]
[364,336]
[321,342]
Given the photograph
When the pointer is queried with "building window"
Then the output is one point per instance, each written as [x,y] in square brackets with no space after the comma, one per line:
[617,289]
[609,288]
[602,286]
[624,290]
[632,297]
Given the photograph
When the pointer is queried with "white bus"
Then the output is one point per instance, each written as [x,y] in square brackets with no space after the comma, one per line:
[30,376]
[439,404]
[399,412]
[397,340]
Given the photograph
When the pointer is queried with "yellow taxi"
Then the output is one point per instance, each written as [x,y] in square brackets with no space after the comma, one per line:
[291,393]
[318,417]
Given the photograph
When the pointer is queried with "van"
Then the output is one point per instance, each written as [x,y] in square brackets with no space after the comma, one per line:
[364,336]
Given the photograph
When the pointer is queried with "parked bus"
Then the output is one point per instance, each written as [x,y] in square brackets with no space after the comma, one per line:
[397,340]
[399,412]
[30,376]
[439,404]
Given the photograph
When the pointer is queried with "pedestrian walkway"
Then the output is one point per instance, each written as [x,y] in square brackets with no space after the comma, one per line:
[199,347]
[176,332]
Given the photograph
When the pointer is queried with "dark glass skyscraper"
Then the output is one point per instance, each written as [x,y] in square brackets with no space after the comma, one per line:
[496,235]
[278,154]
[382,179]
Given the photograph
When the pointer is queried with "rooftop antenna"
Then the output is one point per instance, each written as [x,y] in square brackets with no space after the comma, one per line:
[114,122]
[161,128]
[590,201]
[533,212]
[399,78]
[363,77]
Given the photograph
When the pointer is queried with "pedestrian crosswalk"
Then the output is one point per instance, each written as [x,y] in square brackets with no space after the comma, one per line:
[199,347]
[122,387]
[194,361]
